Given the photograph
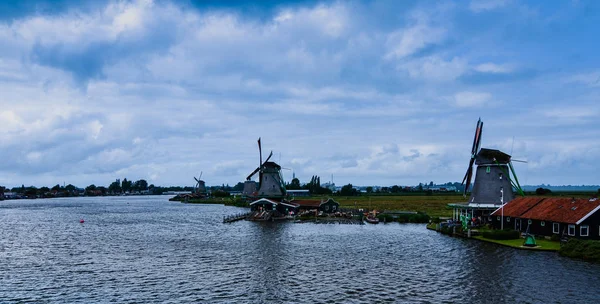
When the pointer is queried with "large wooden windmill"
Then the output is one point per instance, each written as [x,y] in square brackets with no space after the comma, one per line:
[200,187]
[270,200]
[495,176]
[495,180]
[270,181]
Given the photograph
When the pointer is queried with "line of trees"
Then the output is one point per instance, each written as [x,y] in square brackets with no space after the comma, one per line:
[314,186]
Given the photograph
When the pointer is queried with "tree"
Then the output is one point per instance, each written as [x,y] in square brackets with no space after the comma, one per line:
[542,191]
[420,187]
[102,190]
[369,189]
[395,189]
[56,188]
[115,187]
[126,185]
[90,190]
[140,185]
[295,184]
[238,187]
[70,188]
[348,190]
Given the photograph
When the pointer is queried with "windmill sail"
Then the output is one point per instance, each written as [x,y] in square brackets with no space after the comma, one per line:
[474,149]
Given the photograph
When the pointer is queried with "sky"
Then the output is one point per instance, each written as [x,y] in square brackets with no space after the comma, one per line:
[369,92]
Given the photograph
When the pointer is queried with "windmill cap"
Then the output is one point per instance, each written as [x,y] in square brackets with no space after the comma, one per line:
[489,155]
[272,164]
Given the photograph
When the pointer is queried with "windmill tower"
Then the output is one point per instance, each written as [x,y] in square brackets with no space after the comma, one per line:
[270,181]
[494,182]
[200,187]
[249,188]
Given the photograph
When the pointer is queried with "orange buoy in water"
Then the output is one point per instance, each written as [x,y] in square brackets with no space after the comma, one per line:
[81,221]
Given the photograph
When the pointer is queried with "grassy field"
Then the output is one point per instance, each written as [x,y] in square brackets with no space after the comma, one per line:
[543,244]
[433,205]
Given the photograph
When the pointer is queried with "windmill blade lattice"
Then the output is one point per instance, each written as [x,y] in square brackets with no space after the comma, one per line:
[474,149]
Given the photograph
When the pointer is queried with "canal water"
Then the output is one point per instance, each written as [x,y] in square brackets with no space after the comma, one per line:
[150,250]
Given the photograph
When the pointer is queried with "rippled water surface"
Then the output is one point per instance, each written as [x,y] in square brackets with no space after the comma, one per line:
[150,250]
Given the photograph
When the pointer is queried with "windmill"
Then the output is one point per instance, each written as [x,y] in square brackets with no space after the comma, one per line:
[493,181]
[200,187]
[270,181]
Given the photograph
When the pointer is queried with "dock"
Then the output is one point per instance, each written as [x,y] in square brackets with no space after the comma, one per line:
[236,217]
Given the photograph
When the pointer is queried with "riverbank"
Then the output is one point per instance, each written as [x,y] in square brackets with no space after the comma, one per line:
[542,243]
[587,250]
[434,206]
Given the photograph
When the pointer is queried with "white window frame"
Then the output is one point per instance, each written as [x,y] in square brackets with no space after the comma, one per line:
[556,228]
[587,230]
[569,230]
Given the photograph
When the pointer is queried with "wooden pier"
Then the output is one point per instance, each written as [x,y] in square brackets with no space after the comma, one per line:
[236,217]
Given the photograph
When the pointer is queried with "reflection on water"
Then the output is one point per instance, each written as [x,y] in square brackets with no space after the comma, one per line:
[149,250]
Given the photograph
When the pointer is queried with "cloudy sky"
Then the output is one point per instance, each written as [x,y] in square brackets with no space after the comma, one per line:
[371,92]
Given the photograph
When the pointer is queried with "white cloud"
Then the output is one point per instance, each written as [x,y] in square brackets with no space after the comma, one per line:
[571,113]
[469,99]
[591,79]
[435,69]
[409,40]
[493,68]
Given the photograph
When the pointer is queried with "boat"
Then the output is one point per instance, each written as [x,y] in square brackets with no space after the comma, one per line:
[372,217]
[372,220]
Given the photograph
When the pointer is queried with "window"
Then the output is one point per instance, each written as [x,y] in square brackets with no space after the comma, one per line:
[584,230]
[555,228]
[508,218]
[571,231]
[542,223]
[529,222]
[498,218]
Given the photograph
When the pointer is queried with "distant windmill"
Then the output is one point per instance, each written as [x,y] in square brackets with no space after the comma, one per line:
[493,181]
[270,181]
[200,187]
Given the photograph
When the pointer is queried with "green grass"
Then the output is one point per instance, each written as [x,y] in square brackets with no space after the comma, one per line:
[543,244]
[433,205]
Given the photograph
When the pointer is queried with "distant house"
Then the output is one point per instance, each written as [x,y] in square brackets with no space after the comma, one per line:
[546,216]
[298,193]
[328,206]
[282,207]
[306,204]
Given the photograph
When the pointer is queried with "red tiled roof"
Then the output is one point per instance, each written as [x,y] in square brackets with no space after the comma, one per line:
[307,203]
[518,206]
[564,210]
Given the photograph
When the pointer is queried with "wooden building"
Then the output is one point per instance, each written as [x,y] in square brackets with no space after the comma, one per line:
[282,207]
[547,216]
[327,206]
[330,206]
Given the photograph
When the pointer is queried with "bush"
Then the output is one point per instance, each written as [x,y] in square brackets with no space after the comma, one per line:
[581,249]
[419,217]
[542,191]
[501,234]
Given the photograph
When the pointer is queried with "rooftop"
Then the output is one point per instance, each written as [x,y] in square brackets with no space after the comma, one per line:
[564,210]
